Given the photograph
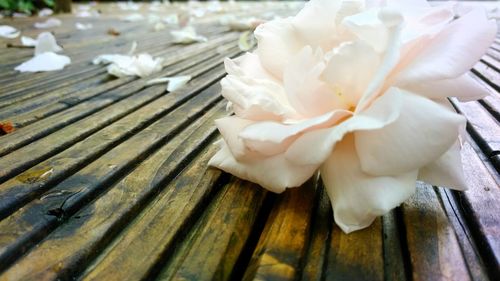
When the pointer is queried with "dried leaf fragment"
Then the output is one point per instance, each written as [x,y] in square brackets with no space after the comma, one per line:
[6,127]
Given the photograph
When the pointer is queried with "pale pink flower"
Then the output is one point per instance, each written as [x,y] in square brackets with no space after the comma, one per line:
[357,90]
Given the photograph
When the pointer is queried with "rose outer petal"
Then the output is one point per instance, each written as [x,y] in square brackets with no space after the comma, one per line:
[358,198]
[422,133]
[447,171]
[274,173]
[453,51]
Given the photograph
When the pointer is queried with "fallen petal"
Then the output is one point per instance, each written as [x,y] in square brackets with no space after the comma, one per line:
[187,35]
[51,22]
[45,12]
[28,41]
[174,82]
[44,62]
[46,42]
[83,26]
[7,31]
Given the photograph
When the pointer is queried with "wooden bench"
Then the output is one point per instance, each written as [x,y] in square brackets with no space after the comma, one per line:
[106,179]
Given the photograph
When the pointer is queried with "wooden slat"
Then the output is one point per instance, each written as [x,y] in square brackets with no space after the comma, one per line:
[316,257]
[68,96]
[85,184]
[481,208]
[282,245]
[221,234]
[96,223]
[435,253]
[356,256]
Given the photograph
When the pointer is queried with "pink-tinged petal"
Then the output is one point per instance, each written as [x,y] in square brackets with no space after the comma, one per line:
[270,138]
[273,173]
[306,93]
[422,133]
[428,23]
[277,44]
[313,148]
[230,127]
[453,51]
[247,65]
[368,27]
[465,88]
[392,20]
[314,24]
[256,99]
[350,69]
[446,171]
[358,198]
[373,26]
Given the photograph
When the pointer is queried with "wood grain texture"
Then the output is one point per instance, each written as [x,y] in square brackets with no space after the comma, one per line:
[435,253]
[278,255]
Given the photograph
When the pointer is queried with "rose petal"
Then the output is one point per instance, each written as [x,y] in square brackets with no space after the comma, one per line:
[270,138]
[277,44]
[465,88]
[133,18]
[7,31]
[44,62]
[316,146]
[358,198]
[174,82]
[392,21]
[446,171]
[305,91]
[83,26]
[28,41]
[46,42]
[314,25]
[187,35]
[230,127]
[49,23]
[453,51]
[422,133]
[141,65]
[350,70]
[256,99]
[273,173]
[247,65]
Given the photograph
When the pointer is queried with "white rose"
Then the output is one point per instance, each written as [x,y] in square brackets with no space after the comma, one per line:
[356,89]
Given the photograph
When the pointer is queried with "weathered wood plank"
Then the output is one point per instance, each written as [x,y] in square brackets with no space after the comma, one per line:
[435,253]
[280,252]
[471,254]
[356,256]
[82,237]
[481,208]
[89,181]
[175,61]
[129,100]
[222,233]
[322,221]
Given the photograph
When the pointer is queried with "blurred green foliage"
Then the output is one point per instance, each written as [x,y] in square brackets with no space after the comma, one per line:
[25,6]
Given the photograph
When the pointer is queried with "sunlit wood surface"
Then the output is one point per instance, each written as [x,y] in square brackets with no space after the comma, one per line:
[106,179]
